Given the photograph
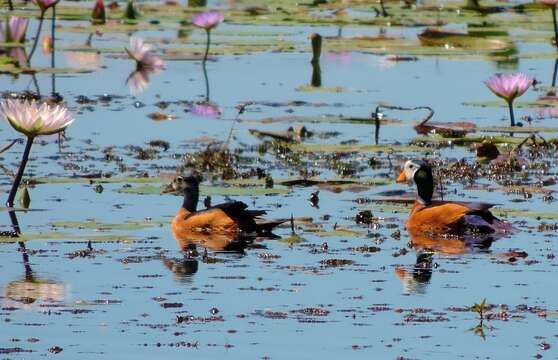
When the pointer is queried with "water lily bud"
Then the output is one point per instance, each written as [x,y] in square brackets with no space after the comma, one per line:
[24,198]
[316,47]
[98,16]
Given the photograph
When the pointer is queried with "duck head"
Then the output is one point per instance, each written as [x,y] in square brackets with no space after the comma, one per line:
[189,186]
[420,173]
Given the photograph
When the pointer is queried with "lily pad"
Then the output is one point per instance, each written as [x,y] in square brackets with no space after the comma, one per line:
[61,236]
[349,148]
[210,190]
[97,226]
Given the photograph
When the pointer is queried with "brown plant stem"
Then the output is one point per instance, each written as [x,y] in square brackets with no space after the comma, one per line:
[389,107]
[241,108]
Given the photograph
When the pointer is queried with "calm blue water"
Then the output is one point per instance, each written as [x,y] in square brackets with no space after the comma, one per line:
[110,305]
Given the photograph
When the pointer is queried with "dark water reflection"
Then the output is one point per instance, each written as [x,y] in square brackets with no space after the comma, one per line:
[31,290]
[427,246]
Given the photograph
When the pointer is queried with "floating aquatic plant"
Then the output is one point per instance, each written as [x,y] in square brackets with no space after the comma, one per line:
[509,87]
[480,308]
[207,20]
[144,58]
[32,119]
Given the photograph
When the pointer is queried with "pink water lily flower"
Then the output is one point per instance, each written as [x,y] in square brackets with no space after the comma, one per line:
[44,5]
[141,53]
[207,20]
[16,29]
[34,119]
[509,87]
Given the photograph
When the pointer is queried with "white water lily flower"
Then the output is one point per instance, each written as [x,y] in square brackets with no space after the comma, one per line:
[33,119]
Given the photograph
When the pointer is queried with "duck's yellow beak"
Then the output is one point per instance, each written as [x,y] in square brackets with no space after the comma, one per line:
[402,178]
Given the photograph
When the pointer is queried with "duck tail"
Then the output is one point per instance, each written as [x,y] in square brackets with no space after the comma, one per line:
[255,213]
[267,226]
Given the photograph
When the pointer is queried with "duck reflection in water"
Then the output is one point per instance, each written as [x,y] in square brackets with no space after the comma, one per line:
[416,280]
[195,245]
[183,268]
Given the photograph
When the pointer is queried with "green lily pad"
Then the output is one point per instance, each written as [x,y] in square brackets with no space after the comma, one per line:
[340,232]
[291,240]
[13,69]
[518,130]
[210,190]
[349,148]
[94,225]
[103,180]
[529,214]
[324,89]
[60,236]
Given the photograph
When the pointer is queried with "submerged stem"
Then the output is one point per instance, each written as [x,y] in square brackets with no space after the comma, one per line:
[512,117]
[21,170]
[10,5]
[36,37]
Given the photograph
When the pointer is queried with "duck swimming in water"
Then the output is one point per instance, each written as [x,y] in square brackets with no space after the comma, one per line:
[227,218]
[446,217]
